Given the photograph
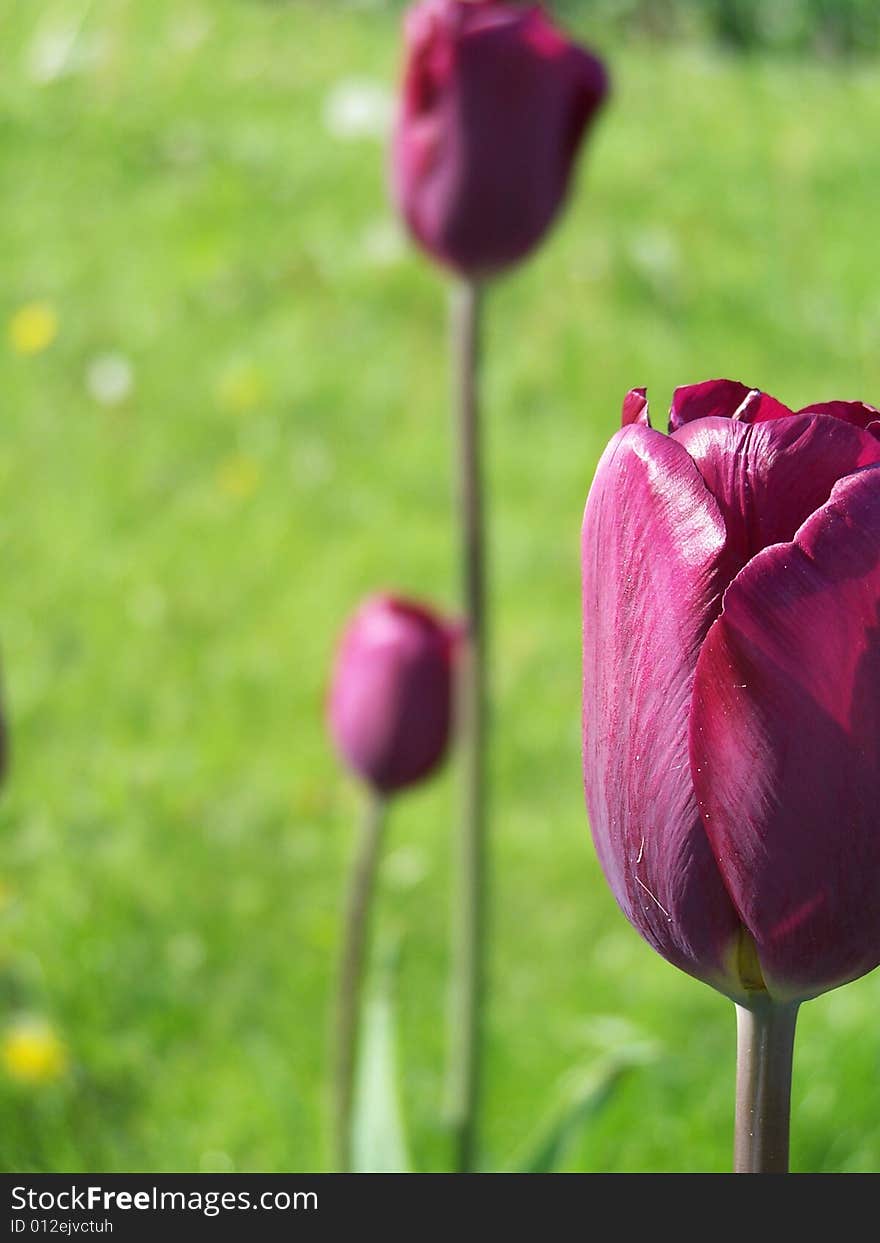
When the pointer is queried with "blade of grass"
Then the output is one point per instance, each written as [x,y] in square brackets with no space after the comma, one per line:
[378,1135]
[585,1092]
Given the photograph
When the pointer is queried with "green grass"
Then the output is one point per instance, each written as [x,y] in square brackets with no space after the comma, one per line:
[175,830]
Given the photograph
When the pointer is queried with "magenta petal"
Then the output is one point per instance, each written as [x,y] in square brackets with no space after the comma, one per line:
[711,399]
[857,412]
[785,745]
[635,408]
[652,552]
[769,477]
[759,407]
[722,399]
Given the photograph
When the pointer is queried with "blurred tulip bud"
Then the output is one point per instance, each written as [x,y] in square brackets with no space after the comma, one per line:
[390,705]
[495,103]
[731,716]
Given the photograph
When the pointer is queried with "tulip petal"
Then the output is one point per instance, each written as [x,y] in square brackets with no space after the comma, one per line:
[653,570]
[711,399]
[768,477]
[785,745]
[857,412]
[635,408]
[723,399]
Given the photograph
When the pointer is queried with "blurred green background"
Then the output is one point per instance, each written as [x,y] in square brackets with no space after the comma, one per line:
[225,420]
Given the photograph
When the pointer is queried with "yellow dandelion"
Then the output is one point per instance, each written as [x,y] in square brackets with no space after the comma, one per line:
[32,1052]
[238,476]
[33,328]
[242,387]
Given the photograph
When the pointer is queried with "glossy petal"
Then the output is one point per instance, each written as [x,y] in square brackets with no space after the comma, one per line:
[857,412]
[652,553]
[758,407]
[785,745]
[635,408]
[723,399]
[768,477]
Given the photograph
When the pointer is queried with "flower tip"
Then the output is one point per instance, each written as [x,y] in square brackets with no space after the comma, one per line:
[635,408]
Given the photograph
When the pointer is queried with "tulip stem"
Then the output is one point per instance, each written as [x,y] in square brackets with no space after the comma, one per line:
[469,916]
[764,1053]
[351,975]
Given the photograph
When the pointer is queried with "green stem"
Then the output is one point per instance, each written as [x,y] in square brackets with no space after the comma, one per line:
[764,1053]
[351,975]
[468,967]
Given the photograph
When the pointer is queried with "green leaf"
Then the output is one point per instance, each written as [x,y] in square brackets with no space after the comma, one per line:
[584,1093]
[378,1137]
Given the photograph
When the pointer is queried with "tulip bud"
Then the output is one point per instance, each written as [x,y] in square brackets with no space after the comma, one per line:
[731,716]
[494,105]
[390,704]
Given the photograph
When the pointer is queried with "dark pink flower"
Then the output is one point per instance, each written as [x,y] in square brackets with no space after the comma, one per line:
[731,592]
[494,106]
[390,703]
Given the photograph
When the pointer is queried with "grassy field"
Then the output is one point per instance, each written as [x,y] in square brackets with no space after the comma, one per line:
[224,420]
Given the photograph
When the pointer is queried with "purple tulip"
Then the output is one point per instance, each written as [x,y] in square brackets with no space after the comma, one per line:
[390,704]
[731,578]
[494,106]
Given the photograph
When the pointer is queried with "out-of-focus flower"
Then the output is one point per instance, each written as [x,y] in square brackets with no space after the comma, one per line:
[495,104]
[33,328]
[390,703]
[407,867]
[383,243]
[188,31]
[60,49]
[110,379]
[731,715]
[238,476]
[32,1052]
[241,387]
[358,109]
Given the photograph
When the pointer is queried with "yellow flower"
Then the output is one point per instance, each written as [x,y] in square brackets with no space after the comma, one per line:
[33,328]
[238,476]
[241,388]
[32,1052]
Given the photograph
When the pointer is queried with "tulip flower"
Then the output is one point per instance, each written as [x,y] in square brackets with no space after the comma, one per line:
[494,106]
[391,699]
[389,714]
[731,712]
